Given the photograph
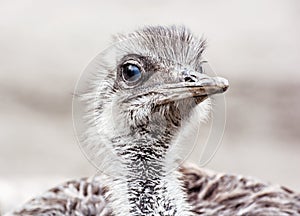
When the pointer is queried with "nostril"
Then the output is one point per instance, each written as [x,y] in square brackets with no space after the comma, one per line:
[190,79]
[187,79]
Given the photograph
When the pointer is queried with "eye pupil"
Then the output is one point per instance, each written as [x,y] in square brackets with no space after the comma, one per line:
[131,72]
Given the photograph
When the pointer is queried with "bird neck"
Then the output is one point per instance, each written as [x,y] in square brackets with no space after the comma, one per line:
[149,183]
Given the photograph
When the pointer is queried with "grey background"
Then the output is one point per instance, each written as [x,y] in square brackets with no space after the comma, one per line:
[45,45]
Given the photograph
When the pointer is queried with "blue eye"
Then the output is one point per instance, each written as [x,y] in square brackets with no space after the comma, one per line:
[131,72]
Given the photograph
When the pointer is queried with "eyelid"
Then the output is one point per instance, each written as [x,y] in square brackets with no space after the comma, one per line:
[134,62]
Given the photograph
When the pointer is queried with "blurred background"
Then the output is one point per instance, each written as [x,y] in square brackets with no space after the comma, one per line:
[45,45]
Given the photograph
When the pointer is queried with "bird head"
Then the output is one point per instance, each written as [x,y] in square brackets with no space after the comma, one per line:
[148,81]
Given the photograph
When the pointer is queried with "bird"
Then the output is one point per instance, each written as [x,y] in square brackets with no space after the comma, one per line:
[143,91]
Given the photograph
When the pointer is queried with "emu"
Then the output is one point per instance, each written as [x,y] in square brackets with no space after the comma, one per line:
[141,96]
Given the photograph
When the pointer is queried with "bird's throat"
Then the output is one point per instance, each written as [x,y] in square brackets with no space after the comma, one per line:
[150,181]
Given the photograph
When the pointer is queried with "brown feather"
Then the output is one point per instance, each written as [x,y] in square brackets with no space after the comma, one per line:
[208,192]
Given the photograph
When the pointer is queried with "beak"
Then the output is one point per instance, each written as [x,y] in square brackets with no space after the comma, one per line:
[193,85]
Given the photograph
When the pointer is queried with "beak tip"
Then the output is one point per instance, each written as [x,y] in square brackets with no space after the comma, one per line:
[225,88]
[224,83]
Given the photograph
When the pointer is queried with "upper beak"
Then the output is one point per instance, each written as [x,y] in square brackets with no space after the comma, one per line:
[196,85]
